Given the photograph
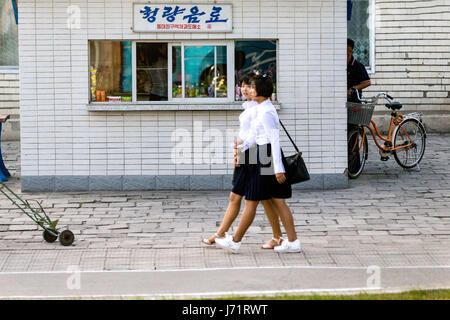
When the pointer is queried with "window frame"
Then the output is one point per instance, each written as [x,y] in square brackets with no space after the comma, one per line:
[230,72]
[210,104]
[9,69]
[372,14]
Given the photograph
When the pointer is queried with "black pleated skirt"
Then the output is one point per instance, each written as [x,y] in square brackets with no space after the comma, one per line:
[255,178]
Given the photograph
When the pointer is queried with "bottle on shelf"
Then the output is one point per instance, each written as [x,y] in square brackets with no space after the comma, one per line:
[237,92]
[274,94]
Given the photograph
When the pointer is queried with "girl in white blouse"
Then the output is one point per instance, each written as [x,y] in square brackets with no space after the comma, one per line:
[245,120]
[263,179]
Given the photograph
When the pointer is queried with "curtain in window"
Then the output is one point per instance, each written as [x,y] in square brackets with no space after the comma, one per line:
[14,3]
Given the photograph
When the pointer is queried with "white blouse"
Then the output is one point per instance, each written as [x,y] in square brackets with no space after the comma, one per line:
[265,128]
[246,117]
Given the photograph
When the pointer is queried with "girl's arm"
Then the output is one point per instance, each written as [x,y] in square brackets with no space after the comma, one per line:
[272,128]
[250,140]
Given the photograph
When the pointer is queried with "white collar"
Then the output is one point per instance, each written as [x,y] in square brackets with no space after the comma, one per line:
[248,104]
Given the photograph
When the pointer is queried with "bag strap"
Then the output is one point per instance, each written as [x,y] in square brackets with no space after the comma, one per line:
[289,136]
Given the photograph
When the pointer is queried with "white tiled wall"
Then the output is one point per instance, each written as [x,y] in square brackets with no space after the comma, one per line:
[9,104]
[60,137]
[412,58]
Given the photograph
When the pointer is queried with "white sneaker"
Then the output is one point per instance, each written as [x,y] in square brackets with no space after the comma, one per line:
[228,243]
[287,246]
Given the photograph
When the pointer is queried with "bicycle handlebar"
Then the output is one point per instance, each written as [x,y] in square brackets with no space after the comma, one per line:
[374,98]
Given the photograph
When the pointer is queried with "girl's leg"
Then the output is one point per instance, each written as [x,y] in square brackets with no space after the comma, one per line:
[286,218]
[247,218]
[230,215]
[274,221]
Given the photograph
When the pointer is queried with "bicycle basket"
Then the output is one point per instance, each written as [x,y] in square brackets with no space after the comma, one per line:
[359,114]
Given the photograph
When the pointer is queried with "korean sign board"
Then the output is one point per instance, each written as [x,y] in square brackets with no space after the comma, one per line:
[177,17]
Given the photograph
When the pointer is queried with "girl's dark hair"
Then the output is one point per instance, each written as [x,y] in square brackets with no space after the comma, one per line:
[263,85]
[350,43]
[247,78]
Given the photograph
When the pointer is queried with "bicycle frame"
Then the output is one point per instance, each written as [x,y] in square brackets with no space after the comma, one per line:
[396,119]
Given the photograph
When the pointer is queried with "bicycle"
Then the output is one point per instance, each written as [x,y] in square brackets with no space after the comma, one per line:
[406,138]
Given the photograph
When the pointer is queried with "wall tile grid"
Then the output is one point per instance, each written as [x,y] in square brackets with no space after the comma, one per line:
[9,93]
[412,54]
[59,137]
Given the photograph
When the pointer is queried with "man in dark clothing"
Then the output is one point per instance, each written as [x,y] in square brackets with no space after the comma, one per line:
[357,76]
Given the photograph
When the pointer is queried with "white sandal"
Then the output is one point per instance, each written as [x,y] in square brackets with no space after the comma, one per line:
[268,246]
[209,243]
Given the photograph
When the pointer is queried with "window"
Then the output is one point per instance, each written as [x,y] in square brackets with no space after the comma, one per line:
[151,71]
[255,55]
[179,72]
[200,72]
[360,28]
[110,71]
[9,58]
[204,74]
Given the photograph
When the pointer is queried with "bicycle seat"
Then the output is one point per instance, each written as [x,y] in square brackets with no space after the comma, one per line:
[394,105]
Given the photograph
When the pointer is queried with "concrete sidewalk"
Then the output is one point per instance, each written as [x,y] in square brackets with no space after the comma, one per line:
[393,221]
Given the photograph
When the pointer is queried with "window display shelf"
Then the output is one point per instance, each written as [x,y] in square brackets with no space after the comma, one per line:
[167,106]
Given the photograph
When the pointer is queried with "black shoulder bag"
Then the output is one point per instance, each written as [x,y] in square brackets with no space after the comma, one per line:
[296,170]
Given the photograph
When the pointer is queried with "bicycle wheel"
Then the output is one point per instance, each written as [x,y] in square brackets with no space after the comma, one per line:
[357,152]
[410,131]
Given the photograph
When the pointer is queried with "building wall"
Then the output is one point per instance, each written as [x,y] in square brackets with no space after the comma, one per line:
[9,104]
[65,147]
[412,58]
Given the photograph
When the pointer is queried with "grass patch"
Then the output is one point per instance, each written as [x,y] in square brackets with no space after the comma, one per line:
[443,294]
